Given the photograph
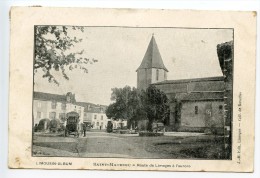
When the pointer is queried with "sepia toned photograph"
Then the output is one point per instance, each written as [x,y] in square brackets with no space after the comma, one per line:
[132,89]
[125,92]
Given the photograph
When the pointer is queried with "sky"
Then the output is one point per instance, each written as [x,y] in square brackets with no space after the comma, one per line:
[186,53]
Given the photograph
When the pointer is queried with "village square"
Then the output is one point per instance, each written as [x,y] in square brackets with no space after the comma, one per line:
[157,117]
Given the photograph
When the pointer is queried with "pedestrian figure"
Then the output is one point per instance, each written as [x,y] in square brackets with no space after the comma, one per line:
[36,128]
[84,129]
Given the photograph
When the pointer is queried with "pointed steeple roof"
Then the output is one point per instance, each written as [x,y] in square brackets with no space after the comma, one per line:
[152,57]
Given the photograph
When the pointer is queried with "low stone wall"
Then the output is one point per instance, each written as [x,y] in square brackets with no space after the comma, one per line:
[150,134]
[207,130]
[119,131]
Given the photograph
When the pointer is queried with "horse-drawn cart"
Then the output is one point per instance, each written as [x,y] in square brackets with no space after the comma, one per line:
[72,125]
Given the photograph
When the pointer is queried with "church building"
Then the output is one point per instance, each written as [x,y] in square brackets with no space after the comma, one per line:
[195,104]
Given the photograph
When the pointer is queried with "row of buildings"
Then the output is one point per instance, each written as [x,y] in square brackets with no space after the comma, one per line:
[54,106]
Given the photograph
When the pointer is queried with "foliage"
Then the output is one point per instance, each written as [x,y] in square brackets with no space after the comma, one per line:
[132,105]
[125,103]
[109,127]
[155,105]
[43,125]
[53,46]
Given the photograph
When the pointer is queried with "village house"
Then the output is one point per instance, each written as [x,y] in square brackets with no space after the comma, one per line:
[53,106]
[119,124]
[95,115]
[195,104]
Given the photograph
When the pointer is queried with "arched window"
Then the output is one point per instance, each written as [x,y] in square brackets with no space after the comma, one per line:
[196,109]
[157,74]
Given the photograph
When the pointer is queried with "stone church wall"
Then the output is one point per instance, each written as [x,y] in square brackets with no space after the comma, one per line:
[144,78]
[161,75]
[209,114]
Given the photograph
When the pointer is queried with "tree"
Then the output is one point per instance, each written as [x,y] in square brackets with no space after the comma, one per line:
[125,104]
[133,105]
[156,106]
[114,111]
[109,127]
[53,46]
[137,108]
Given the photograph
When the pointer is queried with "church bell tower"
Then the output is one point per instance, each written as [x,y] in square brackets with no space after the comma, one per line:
[152,69]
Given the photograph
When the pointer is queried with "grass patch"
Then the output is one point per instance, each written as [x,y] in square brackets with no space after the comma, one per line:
[67,146]
[203,147]
[208,152]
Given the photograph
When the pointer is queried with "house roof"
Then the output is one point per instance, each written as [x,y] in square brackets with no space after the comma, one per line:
[85,104]
[202,96]
[152,57]
[88,107]
[49,97]
[92,108]
[95,110]
[219,78]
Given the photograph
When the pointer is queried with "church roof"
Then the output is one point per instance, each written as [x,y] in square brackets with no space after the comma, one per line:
[217,78]
[202,96]
[152,57]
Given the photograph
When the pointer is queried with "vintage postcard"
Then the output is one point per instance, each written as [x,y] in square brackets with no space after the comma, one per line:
[128,89]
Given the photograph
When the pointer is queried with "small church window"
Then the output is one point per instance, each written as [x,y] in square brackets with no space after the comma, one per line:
[196,109]
[157,74]
[220,108]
